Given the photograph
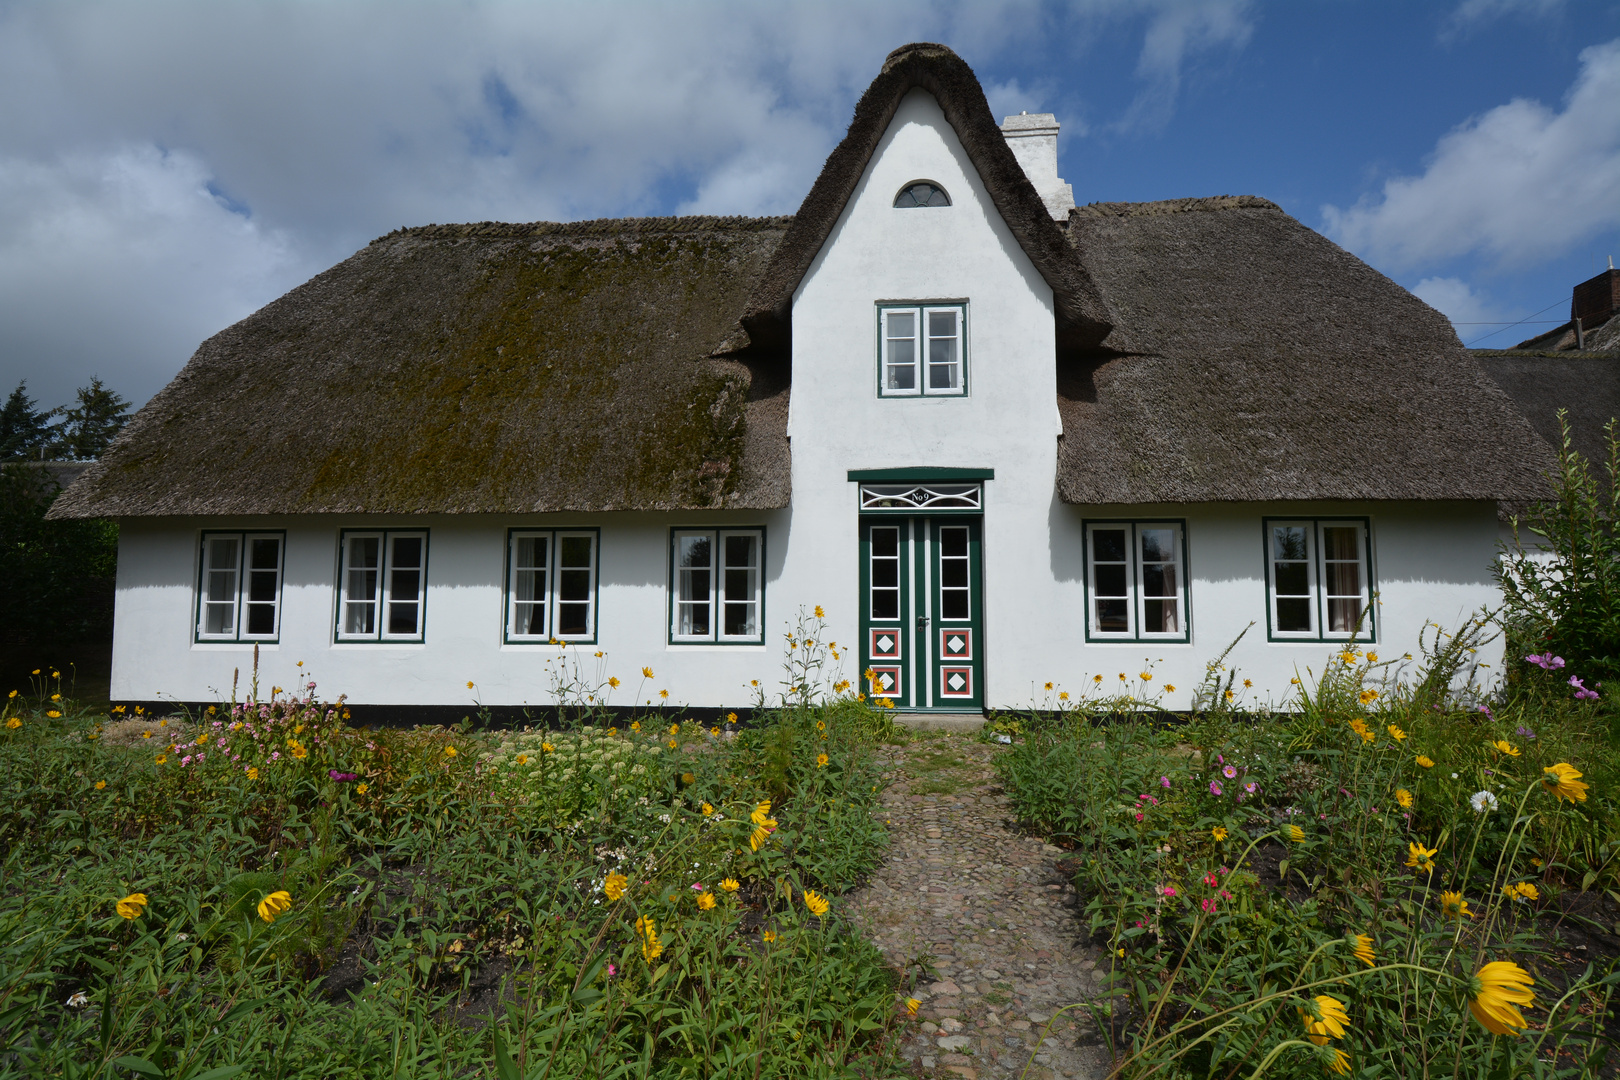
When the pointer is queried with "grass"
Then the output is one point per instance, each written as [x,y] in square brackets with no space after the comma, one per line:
[1229,865]
[936,771]
[454,896]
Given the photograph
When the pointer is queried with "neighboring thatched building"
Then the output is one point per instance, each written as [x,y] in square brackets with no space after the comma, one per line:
[1001,439]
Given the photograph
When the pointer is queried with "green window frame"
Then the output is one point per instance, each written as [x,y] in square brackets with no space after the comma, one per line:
[922,348]
[1137,585]
[1319,579]
[553,585]
[717,586]
[381,586]
[240,575]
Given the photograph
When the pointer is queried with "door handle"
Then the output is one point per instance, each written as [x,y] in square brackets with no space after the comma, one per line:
[922,622]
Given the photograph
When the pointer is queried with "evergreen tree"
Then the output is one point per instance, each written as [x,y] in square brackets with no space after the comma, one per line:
[24,430]
[89,427]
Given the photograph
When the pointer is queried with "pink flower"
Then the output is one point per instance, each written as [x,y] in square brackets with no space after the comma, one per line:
[612,971]
[1251,787]
[1208,905]
[1138,817]
[1211,880]
[1164,781]
[1214,787]
[1169,890]
[697,887]
[1230,772]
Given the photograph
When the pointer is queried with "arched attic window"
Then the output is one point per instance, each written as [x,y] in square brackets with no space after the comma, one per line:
[921,193]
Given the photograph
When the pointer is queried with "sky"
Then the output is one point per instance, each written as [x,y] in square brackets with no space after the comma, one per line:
[167,168]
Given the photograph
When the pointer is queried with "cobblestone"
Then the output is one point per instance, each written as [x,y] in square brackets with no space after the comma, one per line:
[985,912]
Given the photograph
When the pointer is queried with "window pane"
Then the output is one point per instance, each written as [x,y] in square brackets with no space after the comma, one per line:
[1344,579]
[694,557]
[1112,617]
[529,585]
[1343,613]
[574,551]
[1158,545]
[1161,616]
[885,603]
[407,552]
[361,568]
[220,555]
[953,604]
[573,585]
[1339,542]
[900,332]
[405,585]
[885,542]
[1293,616]
[885,572]
[402,618]
[953,573]
[1159,580]
[1288,542]
[261,619]
[953,543]
[1109,580]
[573,619]
[942,350]
[1293,579]
[1108,545]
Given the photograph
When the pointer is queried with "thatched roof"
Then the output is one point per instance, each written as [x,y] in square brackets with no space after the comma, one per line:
[1587,385]
[1082,318]
[475,368]
[1268,363]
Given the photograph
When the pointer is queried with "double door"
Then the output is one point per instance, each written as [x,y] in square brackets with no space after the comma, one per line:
[922,611]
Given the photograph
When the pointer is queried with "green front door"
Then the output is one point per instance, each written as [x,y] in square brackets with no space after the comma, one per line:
[922,611]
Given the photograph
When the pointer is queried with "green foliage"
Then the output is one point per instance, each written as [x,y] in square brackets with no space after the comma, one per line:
[1223,921]
[56,577]
[24,430]
[450,911]
[1563,593]
[88,426]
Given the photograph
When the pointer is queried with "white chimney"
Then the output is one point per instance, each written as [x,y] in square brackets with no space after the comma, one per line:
[1032,137]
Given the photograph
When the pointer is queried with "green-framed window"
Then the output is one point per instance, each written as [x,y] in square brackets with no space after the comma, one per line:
[717,586]
[239,586]
[1319,579]
[382,585]
[551,585]
[1136,581]
[922,349]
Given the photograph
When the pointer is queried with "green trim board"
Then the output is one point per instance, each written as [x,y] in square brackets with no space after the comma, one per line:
[918,473]
[552,568]
[669,588]
[1136,636]
[1370,634]
[197,637]
[383,568]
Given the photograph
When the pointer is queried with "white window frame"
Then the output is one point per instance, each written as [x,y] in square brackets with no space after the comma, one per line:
[1136,598]
[716,598]
[240,588]
[1316,570]
[552,578]
[381,598]
[920,384]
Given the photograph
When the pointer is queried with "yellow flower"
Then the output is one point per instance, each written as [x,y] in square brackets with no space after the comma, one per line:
[1363,949]
[1453,906]
[729,884]
[1063,695]
[646,673]
[1426,762]
[53,714]
[13,724]
[819,613]
[714,732]
[757,838]
[651,947]
[1229,695]
[1506,747]
[613,681]
[1348,657]
[688,778]
[672,744]
[1403,797]
[161,758]
[1396,733]
[664,694]
[1522,892]
[1294,681]
[100,784]
[1496,991]
[1372,658]
[449,751]
[817,905]
[912,1005]
[1564,781]
[705,901]
[297,749]
[275,904]
[769,936]
[821,760]
[14,694]
[615,886]
[361,789]
[612,732]
[546,748]
[1326,1020]
[132,906]
[1340,1063]
[1170,687]
[1096,678]
[1421,858]
[761,813]
[1218,832]
[522,759]
[731,717]
[253,774]
[202,740]
[56,697]
[1295,833]
[469,684]
[35,671]
[1048,686]
[1247,683]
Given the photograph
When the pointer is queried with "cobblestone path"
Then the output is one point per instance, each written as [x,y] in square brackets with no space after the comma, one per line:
[984,907]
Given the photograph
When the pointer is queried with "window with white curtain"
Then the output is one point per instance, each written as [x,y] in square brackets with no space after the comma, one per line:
[1136,581]
[551,582]
[382,585]
[239,593]
[717,586]
[1318,579]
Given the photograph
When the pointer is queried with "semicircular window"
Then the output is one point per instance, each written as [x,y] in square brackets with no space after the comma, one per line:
[921,193]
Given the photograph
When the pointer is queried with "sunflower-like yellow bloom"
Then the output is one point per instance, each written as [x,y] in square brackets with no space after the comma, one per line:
[1295,833]
[768,936]
[1326,1019]
[1340,1063]
[132,906]
[1363,949]
[816,903]
[821,761]
[1497,990]
[275,904]
[1396,733]
[1403,797]
[615,886]
[1421,858]
[705,901]
[1564,781]
[1506,747]
[707,809]
[1453,906]
[1522,892]
[912,1005]
[761,813]
[729,884]
[1218,832]
[651,947]
[758,837]
[1425,761]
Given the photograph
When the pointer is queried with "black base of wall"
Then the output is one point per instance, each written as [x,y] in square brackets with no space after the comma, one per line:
[495,716]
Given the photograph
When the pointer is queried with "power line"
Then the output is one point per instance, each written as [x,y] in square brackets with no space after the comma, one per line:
[1526,319]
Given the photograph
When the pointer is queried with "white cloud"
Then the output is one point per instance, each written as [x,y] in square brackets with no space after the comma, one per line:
[1473,14]
[1454,298]
[1520,182]
[1180,30]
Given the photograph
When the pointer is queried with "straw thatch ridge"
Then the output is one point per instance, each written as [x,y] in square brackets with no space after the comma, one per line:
[1274,366]
[1082,317]
[485,368]
[1586,386]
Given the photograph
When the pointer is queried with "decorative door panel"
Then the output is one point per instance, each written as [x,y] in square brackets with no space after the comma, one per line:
[922,611]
